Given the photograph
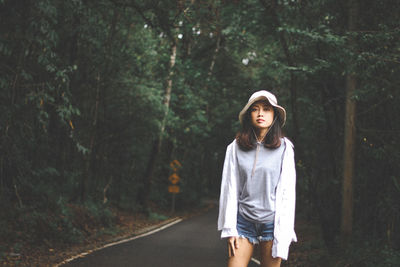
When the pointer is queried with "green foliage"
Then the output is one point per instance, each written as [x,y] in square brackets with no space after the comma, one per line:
[157,217]
[100,214]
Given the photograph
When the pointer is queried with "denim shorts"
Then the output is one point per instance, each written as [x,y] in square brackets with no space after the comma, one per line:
[254,232]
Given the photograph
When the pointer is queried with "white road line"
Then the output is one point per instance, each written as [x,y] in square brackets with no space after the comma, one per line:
[120,242]
[256,261]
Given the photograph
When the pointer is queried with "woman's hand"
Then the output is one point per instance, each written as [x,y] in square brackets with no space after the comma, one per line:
[233,244]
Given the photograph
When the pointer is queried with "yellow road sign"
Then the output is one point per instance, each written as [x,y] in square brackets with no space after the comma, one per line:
[174,178]
[173,189]
[175,165]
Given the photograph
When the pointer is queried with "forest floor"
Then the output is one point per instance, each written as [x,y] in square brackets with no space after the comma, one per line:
[308,251]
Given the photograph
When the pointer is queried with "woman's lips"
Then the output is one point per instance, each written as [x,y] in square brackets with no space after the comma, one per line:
[260,120]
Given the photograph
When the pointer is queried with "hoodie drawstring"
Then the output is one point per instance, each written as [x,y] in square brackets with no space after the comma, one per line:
[259,143]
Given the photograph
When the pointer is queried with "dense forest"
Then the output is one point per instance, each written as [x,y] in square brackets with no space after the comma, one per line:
[98,97]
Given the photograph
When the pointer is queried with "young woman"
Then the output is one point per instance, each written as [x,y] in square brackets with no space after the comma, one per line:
[258,189]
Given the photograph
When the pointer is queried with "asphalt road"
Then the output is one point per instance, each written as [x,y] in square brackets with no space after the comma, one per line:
[193,242]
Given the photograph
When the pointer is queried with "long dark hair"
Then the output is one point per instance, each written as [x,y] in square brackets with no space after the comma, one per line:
[246,139]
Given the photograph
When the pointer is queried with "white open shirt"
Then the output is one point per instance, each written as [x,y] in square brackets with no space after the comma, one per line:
[285,203]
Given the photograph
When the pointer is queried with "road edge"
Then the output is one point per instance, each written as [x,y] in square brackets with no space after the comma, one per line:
[141,233]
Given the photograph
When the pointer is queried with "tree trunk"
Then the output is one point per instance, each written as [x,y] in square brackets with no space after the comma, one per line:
[90,157]
[87,173]
[156,148]
[349,140]
[214,57]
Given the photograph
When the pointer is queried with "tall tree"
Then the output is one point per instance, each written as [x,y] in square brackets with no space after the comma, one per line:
[156,149]
[349,135]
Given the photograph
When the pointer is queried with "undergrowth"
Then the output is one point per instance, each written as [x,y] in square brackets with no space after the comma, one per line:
[62,224]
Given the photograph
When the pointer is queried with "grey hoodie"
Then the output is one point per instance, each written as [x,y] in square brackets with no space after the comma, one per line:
[259,170]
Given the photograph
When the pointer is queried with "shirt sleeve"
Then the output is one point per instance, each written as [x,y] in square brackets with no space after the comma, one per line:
[228,232]
[284,232]
[228,196]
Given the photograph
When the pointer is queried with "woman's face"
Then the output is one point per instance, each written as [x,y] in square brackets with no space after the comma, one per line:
[261,115]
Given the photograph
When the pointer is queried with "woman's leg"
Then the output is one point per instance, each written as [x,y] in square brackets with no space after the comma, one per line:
[243,253]
[266,255]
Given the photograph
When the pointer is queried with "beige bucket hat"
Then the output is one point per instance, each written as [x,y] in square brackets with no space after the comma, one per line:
[264,95]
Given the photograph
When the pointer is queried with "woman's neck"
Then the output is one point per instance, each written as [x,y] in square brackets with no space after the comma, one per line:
[260,134]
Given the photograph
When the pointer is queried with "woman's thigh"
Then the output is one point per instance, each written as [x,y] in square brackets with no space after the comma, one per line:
[266,255]
[242,254]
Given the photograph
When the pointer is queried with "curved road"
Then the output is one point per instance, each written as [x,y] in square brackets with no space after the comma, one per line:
[194,242]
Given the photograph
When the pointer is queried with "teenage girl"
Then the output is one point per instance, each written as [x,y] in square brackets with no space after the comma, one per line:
[258,189]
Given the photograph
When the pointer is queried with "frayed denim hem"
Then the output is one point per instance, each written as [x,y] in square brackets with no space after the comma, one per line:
[259,239]
[251,240]
[266,239]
